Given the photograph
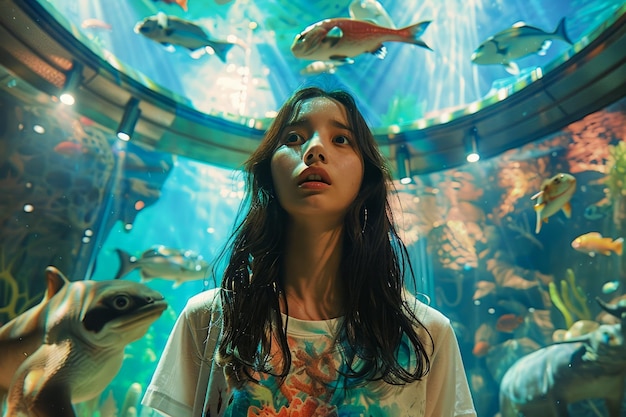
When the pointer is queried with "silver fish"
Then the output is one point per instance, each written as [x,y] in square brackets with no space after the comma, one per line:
[166,263]
[172,30]
[516,42]
[319,67]
[69,347]
[372,11]
[341,38]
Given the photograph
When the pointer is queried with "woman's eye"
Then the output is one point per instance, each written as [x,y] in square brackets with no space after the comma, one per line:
[342,140]
[293,139]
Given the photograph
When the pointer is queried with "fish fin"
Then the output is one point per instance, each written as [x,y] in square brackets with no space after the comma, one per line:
[333,36]
[592,254]
[512,68]
[341,60]
[177,284]
[162,20]
[538,227]
[619,245]
[221,49]
[55,280]
[415,32]
[126,264]
[567,209]
[561,33]
[519,24]
[544,47]
[182,4]
[381,52]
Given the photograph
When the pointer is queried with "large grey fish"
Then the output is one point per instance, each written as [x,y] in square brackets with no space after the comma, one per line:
[172,30]
[166,263]
[69,347]
[516,42]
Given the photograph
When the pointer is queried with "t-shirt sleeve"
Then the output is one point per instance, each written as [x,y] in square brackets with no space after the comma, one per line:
[447,392]
[172,389]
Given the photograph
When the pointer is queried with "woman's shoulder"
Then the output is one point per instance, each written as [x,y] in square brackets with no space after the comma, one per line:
[203,305]
[429,316]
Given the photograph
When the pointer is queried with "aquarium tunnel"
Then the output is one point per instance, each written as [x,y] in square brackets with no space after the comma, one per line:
[124,125]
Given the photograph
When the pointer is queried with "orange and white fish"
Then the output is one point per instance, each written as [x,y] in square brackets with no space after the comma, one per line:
[593,242]
[555,195]
[181,3]
[339,39]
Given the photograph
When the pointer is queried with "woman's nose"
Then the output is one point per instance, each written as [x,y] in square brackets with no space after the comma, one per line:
[315,151]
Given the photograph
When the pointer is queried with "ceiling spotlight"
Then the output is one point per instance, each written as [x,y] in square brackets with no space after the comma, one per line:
[403,160]
[72,81]
[471,145]
[129,119]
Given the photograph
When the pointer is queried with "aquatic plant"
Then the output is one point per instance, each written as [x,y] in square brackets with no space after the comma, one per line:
[572,308]
[616,181]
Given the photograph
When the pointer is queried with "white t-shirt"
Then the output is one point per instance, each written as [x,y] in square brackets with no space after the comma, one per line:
[187,382]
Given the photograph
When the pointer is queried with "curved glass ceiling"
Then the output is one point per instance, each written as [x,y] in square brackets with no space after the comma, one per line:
[259,71]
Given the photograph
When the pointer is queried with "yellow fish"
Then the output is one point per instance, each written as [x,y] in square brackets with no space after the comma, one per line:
[593,242]
[554,196]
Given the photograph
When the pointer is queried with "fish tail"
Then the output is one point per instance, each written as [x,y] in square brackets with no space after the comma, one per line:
[221,49]
[560,31]
[126,265]
[619,245]
[414,33]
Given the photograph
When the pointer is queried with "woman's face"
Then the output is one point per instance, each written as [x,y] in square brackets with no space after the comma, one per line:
[317,168]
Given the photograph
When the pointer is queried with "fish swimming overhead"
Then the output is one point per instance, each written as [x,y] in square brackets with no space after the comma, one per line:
[593,242]
[340,39]
[555,195]
[516,42]
[319,67]
[172,30]
[166,263]
[70,346]
[371,11]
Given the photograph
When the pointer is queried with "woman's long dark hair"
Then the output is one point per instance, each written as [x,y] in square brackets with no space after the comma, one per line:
[377,319]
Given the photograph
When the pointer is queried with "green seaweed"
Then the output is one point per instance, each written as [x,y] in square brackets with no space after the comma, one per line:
[570,299]
[616,181]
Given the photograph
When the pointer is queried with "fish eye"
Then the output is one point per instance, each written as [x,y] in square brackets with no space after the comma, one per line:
[121,302]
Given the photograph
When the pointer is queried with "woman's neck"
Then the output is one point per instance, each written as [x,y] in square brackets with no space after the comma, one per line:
[311,273]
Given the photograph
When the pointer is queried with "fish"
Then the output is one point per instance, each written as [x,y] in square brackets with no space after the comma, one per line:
[555,195]
[593,242]
[174,31]
[319,67]
[69,148]
[339,39]
[507,323]
[181,3]
[166,263]
[371,11]
[70,346]
[95,24]
[610,287]
[516,42]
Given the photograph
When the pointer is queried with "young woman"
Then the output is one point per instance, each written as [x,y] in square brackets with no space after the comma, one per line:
[312,317]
